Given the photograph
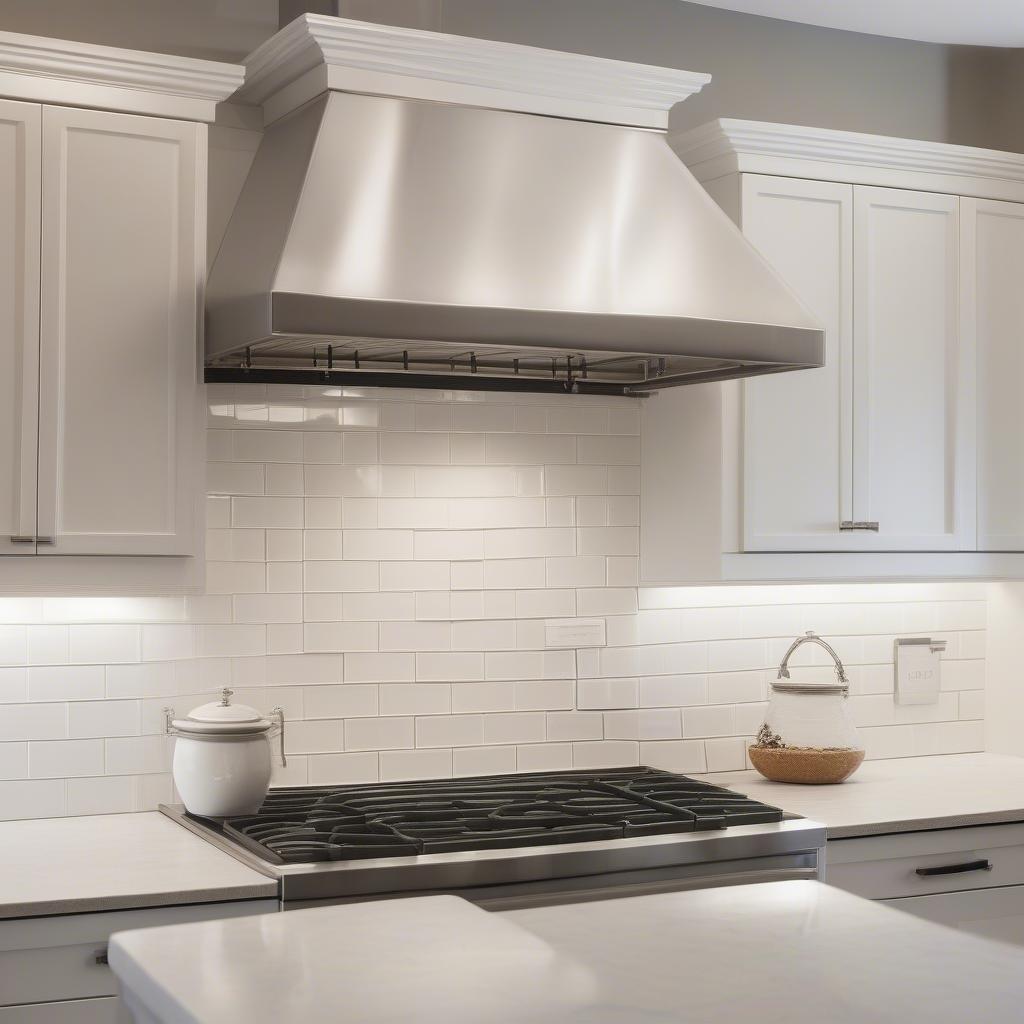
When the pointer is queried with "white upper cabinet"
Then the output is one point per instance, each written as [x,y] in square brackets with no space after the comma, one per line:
[122,260]
[19,323]
[902,457]
[992,315]
[797,449]
[913,389]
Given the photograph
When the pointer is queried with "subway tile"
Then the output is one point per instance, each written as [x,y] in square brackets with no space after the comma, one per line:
[608,451]
[604,694]
[325,545]
[267,446]
[736,687]
[379,667]
[343,769]
[236,577]
[545,604]
[483,635]
[267,513]
[648,724]
[412,449]
[104,644]
[322,446]
[685,756]
[284,669]
[341,636]
[137,755]
[379,733]
[377,606]
[530,664]
[624,419]
[608,540]
[575,480]
[254,608]
[574,725]
[528,449]
[325,736]
[607,601]
[58,759]
[529,543]
[432,417]
[513,573]
[466,449]
[231,641]
[361,449]
[32,798]
[341,481]
[583,570]
[518,727]
[379,545]
[356,513]
[415,699]
[320,513]
[104,718]
[235,545]
[450,731]
[396,765]
[450,545]
[231,478]
[479,417]
[484,760]
[413,513]
[283,479]
[578,419]
[673,691]
[415,636]
[351,700]
[33,722]
[708,721]
[284,577]
[14,686]
[114,794]
[480,697]
[412,576]
[545,694]
[68,682]
[544,757]
[463,482]
[726,755]
[530,481]
[335,577]
[47,645]
[560,511]
[605,754]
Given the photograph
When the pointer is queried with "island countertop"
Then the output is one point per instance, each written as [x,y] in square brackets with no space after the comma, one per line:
[900,795]
[115,862]
[796,951]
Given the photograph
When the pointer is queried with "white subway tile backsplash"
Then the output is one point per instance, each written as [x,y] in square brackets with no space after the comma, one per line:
[382,569]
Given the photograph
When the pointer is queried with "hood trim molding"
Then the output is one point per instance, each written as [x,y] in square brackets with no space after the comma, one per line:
[315,53]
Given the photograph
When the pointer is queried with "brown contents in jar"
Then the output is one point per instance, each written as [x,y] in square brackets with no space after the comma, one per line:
[812,766]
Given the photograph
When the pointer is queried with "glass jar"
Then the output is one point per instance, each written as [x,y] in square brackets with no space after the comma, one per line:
[807,736]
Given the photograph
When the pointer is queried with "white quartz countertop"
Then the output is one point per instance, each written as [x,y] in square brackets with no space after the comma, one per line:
[115,862]
[904,795]
[793,952]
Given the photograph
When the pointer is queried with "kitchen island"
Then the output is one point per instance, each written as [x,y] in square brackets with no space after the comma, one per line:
[792,951]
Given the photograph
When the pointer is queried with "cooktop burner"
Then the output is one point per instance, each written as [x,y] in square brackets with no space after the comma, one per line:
[336,823]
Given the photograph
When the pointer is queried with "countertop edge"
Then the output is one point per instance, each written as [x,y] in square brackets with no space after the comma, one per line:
[136,901]
[902,826]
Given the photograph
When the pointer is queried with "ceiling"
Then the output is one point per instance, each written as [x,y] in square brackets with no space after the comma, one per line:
[971,22]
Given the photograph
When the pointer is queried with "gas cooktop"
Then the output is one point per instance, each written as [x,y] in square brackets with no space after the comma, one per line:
[498,838]
[337,823]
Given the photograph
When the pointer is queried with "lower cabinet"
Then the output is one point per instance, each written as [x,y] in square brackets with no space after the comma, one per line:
[968,878]
[53,970]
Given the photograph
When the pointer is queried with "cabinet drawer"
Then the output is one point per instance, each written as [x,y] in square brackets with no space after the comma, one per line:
[73,1011]
[49,959]
[994,913]
[887,867]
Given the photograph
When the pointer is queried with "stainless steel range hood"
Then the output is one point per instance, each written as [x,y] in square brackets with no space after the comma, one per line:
[393,240]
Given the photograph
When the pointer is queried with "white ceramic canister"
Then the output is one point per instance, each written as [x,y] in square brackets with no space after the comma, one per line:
[221,760]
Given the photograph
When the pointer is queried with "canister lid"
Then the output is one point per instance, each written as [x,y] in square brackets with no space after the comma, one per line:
[223,716]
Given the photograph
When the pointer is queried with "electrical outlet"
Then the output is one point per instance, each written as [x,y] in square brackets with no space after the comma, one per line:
[918,668]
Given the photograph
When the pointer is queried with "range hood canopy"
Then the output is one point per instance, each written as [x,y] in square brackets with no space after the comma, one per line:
[430,210]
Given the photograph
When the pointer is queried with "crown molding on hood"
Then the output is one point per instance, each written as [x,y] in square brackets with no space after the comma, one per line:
[731,146]
[315,53]
[45,70]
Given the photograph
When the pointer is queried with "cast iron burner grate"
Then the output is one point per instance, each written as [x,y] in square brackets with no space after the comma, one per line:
[404,819]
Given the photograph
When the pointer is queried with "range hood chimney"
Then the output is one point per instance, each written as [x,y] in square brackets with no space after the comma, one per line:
[429,210]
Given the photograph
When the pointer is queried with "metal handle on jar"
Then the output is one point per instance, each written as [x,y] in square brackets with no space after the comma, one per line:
[810,637]
[858,524]
[279,714]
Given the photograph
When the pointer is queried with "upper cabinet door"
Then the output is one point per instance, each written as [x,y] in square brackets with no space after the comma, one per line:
[797,472]
[992,314]
[19,323]
[913,376]
[122,258]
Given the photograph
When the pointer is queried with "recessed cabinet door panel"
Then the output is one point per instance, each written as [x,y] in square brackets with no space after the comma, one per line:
[121,257]
[913,380]
[992,312]
[797,426]
[19,323]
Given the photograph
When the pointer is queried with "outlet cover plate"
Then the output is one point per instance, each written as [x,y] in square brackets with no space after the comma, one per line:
[918,667]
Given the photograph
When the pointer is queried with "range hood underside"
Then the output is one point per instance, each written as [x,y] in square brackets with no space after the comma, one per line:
[470,347]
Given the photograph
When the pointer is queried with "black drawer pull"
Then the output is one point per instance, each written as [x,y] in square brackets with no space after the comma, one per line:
[956,869]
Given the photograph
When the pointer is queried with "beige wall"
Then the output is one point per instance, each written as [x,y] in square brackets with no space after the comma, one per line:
[763,69]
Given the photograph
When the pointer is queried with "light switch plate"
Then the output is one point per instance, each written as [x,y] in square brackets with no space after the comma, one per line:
[918,667]
[574,633]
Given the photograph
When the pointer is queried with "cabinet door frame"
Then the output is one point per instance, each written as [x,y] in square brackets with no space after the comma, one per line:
[28,117]
[753,539]
[960,375]
[970,211]
[184,407]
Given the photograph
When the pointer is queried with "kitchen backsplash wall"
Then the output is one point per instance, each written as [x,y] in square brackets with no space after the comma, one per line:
[382,566]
